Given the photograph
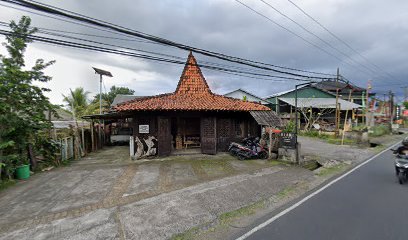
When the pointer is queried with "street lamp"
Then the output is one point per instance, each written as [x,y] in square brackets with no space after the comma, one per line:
[101,73]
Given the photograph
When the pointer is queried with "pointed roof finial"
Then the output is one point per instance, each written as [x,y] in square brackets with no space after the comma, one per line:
[192,80]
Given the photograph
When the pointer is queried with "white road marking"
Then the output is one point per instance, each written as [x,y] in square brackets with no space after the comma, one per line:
[287,210]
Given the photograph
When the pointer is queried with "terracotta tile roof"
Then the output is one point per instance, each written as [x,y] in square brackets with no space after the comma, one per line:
[193,94]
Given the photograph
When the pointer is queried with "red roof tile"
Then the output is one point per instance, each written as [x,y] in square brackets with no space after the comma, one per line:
[192,93]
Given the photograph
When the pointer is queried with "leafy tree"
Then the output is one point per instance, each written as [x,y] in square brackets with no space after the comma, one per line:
[107,98]
[406,105]
[77,101]
[22,104]
[313,115]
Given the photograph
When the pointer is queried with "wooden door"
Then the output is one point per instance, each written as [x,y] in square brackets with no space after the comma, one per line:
[208,135]
[164,136]
[224,132]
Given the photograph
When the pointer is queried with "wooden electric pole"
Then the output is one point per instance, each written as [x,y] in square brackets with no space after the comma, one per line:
[391,104]
[337,102]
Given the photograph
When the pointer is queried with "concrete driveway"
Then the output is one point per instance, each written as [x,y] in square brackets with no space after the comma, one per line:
[107,196]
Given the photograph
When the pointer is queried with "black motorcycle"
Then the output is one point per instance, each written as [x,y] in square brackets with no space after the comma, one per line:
[401,167]
[249,149]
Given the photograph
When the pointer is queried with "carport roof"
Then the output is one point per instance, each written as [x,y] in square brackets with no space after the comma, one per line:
[321,103]
[266,118]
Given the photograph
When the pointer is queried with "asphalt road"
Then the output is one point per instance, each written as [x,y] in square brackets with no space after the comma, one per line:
[366,204]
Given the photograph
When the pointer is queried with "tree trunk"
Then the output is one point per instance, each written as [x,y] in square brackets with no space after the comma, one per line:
[31,156]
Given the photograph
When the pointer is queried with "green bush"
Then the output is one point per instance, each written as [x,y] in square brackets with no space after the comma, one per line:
[290,127]
[380,130]
[360,128]
[48,149]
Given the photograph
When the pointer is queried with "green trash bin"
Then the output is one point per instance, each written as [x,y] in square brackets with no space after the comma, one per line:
[23,172]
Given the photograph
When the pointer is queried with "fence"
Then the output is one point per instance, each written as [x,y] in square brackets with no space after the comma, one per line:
[88,141]
[67,148]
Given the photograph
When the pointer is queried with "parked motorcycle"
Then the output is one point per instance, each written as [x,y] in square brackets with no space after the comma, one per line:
[249,149]
[401,167]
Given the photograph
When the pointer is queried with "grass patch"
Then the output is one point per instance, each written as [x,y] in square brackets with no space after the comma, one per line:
[338,141]
[4,184]
[315,134]
[379,148]
[328,138]
[187,235]
[228,217]
[332,170]
[213,166]
[273,162]
[285,192]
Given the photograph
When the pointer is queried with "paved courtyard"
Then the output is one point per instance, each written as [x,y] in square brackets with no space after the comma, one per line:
[108,196]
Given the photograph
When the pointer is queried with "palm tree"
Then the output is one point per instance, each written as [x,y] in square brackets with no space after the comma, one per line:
[77,101]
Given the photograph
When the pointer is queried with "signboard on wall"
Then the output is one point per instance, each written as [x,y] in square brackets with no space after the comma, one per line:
[143,128]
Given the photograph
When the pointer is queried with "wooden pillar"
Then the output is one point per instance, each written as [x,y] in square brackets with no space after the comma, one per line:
[92,136]
[83,139]
[270,142]
[66,148]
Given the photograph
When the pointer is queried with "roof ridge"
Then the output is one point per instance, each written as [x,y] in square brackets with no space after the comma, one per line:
[144,98]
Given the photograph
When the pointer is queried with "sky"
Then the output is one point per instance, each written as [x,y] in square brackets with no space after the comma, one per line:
[376,30]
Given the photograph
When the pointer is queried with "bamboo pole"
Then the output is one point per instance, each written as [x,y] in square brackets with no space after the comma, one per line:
[92,135]
[270,143]
[345,120]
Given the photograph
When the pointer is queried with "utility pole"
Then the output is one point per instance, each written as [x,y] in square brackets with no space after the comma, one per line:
[384,108]
[405,94]
[367,109]
[391,103]
[337,102]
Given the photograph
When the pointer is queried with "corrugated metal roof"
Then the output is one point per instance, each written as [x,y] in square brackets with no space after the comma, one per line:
[266,118]
[67,124]
[321,103]
[284,92]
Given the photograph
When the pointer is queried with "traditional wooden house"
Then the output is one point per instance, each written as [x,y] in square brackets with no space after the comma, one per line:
[194,116]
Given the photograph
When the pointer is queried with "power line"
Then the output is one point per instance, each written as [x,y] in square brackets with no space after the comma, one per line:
[139,50]
[287,29]
[144,56]
[88,20]
[315,35]
[338,38]
[297,35]
[72,22]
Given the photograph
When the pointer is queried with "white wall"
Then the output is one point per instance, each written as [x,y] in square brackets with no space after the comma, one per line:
[240,95]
